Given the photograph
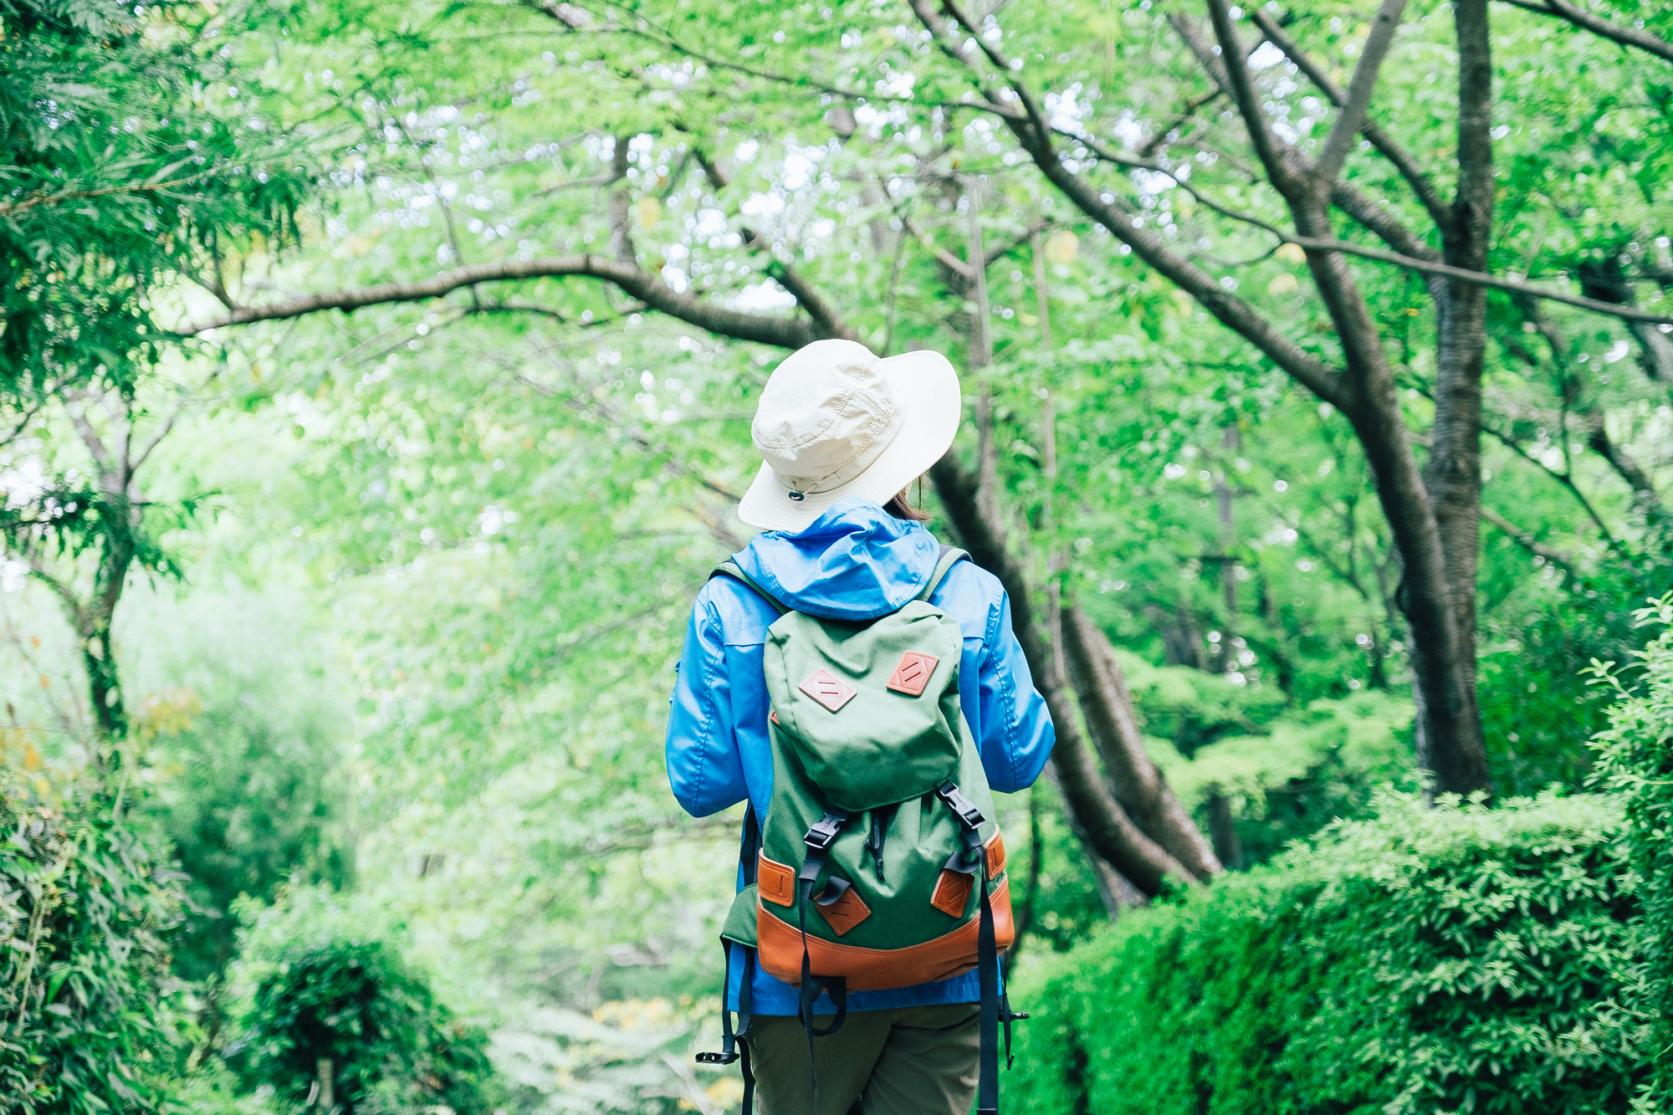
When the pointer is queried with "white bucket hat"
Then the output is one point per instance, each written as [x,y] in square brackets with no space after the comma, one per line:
[836,422]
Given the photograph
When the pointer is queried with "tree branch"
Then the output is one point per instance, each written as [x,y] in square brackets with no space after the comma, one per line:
[1351,118]
[1528,542]
[825,318]
[1627,36]
[784,332]
[650,32]
[1108,828]
[168,425]
[1238,315]
[96,447]
[1401,161]
[1236,72]
[1481,279]
[72,606]
[1363,208]
[1108,706]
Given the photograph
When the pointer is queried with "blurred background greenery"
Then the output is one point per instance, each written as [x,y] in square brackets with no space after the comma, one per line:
[374,390]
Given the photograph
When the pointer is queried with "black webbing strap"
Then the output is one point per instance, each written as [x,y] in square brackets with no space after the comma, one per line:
[987,969]
[818,841]
[744,996]
[731,1049]
[987,950]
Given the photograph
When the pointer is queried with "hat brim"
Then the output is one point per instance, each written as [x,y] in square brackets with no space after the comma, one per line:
[926,389]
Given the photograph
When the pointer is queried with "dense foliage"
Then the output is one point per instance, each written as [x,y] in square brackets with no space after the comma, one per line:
[1450,960]
[1635,762]
[126,156]
[339,1008]
[89,1007]
[240,733]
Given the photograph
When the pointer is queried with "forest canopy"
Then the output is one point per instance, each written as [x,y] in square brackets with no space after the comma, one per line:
[375,392]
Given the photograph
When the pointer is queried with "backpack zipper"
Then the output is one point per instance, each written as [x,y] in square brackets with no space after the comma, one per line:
[874,843]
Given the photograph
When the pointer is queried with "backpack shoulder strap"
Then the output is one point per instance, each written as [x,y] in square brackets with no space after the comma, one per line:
[729,568]
[950,556]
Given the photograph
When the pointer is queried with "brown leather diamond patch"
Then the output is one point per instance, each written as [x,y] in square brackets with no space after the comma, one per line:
[913,673]
[828,689]
[952,892]
[846,912]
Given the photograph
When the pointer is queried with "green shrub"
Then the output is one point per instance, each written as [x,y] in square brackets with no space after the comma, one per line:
[1192,708]
[88,1017]
[1450,960]
[323,997]
[1635,761]
[241,729]
[1302,770]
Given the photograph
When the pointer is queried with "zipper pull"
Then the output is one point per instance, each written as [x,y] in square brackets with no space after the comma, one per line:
[874,844]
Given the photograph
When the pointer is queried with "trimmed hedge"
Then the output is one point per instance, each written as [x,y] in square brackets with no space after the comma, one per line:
[1635,764]
[1447,960]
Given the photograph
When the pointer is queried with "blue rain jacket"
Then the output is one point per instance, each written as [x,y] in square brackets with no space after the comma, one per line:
[855,562]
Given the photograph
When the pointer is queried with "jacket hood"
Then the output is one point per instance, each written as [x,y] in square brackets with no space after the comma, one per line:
[854,562]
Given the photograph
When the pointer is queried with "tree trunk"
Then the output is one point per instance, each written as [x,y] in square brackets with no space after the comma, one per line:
[1455,750]
[1224,653]
[1108,828]
[104,686]
[1139,787]
[1450,744]
[1223,827]
[1158,839]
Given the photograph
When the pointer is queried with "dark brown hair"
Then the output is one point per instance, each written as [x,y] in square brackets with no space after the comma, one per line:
[902,507]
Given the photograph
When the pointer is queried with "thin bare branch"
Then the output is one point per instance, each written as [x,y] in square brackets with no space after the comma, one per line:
[1318,376]
[96,447]
[1528,542]
[785,332]
[1234,66]
[1397,156]
[168,424]
[1621,33]
[780,270]
[1481,279]
[643,28]
[1351,119]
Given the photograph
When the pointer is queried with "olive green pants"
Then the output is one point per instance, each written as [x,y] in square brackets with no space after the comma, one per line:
[905,1061]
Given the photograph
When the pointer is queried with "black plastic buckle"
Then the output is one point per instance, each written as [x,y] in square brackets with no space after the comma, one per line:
[966,809]
[824,831]
[716,1058]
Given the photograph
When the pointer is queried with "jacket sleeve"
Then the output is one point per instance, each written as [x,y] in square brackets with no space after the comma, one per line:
[704,768]
[1017,732]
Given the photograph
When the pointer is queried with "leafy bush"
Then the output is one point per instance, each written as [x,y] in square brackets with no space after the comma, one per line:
[1192,708]
[243,737]
[324,999]
[1635,761]
[87,1013]
[1449,960]
[1302,770]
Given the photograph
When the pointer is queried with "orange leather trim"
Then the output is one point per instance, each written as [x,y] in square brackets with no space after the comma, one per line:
[996,855]
[780,951]
[777,883]
[952,893]
[846,912]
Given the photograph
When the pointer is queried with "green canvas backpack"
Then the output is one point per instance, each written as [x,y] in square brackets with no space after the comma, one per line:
[879,863]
